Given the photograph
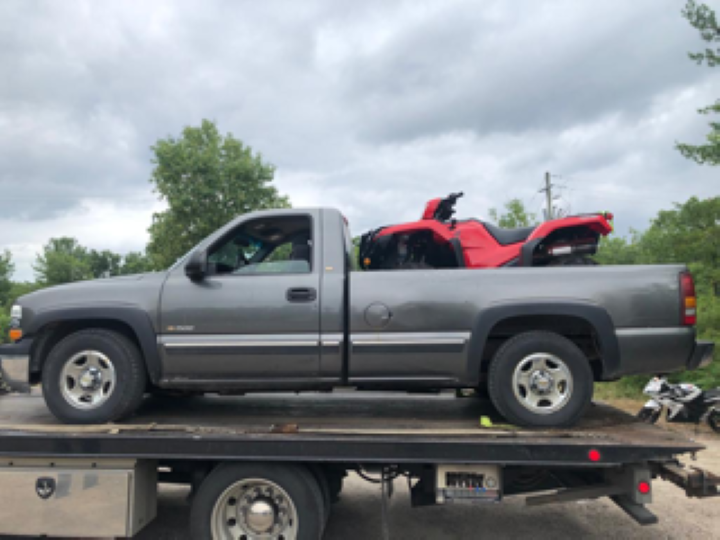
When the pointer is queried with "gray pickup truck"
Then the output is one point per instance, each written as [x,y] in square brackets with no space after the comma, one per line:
[271,303]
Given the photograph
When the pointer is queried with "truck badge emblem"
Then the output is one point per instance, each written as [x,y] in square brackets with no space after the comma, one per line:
[45,487]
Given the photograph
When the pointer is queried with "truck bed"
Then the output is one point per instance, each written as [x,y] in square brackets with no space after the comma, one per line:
[345,427]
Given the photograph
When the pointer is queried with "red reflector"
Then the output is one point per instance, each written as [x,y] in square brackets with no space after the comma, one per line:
[644,487]
[594,455]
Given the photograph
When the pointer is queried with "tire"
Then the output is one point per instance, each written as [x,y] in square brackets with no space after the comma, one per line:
[127,377]
[519,374]
[572,260]
[335,479]
[294,485]
[322,480]
[649,416]
[714,421]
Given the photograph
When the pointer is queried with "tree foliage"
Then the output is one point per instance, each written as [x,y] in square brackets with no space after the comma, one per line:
[6,271]
[64,260]
[206,179]
[704,20]
[514,217]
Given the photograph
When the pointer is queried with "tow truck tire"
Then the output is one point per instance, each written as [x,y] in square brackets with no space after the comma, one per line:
[112,366]
[540,379]
[258,500]
[322,481]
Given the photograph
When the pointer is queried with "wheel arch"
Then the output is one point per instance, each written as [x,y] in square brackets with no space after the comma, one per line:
[573,319]
[51,326]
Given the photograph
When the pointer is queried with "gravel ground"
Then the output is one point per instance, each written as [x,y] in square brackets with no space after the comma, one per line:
[356,516]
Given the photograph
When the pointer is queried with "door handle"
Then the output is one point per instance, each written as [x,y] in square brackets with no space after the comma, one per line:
[303,294]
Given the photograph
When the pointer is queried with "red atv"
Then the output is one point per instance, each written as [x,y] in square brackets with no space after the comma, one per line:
[440,241]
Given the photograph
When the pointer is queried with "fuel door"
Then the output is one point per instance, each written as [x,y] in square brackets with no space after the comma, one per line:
[378,315]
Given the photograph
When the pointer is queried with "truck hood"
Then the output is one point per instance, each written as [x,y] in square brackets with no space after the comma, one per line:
[141,291]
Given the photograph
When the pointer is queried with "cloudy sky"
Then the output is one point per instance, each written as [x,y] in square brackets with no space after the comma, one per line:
[373,107]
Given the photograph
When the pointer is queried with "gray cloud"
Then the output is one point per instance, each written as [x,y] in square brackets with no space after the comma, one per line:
[374,107]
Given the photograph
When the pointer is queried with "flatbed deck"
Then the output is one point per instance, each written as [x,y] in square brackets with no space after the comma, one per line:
[344,427]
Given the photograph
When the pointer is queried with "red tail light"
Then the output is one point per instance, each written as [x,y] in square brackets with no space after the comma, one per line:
[688,302]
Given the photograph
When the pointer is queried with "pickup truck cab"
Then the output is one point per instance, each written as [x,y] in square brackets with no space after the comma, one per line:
[270,302]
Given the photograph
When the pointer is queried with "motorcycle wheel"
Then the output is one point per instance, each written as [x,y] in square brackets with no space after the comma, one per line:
[714,421]
[649,416]
[573,260]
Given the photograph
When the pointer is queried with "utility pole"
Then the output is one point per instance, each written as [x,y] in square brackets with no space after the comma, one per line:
[548,197]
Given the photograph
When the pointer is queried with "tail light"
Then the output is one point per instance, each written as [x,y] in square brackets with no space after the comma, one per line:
[688,301]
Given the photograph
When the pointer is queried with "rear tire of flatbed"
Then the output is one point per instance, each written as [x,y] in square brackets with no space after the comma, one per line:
[225,498]
[540,379]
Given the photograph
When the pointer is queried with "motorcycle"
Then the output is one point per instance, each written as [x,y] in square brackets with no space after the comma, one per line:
[440,241]
[685,403]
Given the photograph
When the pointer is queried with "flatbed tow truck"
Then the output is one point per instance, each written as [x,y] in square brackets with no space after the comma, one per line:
[271,465]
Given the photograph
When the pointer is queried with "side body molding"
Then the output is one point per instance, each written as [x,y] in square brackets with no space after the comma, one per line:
[595,315]
[134,317]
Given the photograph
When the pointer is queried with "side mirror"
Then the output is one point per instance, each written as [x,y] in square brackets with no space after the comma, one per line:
[196,267]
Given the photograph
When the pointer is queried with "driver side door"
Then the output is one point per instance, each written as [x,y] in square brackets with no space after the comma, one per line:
[254,325]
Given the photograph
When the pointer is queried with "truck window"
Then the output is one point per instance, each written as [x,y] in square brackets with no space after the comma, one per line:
[273,245]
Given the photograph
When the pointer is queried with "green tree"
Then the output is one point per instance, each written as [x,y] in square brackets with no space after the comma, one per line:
[62,260]
[703,19]
[135,263]
[619,250]
[104,263]
[206,179]
[6,271]
[515,215]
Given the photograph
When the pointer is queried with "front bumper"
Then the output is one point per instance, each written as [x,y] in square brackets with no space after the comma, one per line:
[702,355]
[15,366]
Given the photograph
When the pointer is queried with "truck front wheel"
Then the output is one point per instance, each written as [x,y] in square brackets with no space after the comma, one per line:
[540,379]
[93,376]
[257,500]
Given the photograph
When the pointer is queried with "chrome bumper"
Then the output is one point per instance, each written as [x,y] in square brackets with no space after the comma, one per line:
[15,373]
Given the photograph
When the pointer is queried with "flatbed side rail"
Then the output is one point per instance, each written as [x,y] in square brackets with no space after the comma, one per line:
[696,482]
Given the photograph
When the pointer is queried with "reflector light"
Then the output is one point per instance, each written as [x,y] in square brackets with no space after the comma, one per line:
[15,334]
[644,487]
[594,455]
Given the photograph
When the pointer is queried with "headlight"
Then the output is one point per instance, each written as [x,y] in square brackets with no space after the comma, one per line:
[16,312]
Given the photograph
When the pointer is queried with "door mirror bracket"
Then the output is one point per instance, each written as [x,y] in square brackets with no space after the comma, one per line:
[196,267]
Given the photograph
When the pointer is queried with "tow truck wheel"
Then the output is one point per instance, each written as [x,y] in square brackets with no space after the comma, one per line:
[540,379]
[243,501]
[93,376]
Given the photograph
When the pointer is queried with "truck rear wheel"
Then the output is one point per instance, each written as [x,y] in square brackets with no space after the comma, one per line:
[257,500]
[93,376]
[540,379]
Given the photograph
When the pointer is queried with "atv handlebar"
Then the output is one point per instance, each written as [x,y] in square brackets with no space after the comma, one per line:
[446,209]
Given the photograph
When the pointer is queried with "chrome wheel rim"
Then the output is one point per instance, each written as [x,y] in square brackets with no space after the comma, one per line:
[542,383]
[254,509]
[87,380]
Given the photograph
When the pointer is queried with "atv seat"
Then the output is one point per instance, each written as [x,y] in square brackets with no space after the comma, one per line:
[508,236]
